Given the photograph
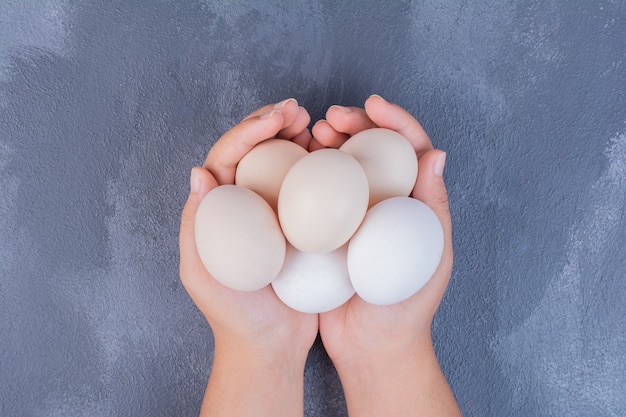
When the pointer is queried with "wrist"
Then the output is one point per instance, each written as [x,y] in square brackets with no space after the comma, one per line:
[260,356]
[376,385]
[370,365]
[253,381]
[405,383]
[376,350]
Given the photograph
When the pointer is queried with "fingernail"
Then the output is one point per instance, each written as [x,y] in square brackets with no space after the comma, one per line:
[379,97]
[269,114]
[342,108]
[282,104]
[194,181]
[440,163]
[319,121]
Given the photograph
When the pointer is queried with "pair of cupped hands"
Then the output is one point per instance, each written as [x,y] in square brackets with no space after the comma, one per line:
[257,323]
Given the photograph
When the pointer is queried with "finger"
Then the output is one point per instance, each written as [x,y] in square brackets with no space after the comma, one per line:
[350,120]
[431,190]
[394,117]
[327,136]
[314,145]
[224,156]
[303,139]
[192,271]
[300,122]
[285,106]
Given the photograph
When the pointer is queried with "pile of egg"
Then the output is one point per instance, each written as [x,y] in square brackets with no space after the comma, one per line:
[321,226]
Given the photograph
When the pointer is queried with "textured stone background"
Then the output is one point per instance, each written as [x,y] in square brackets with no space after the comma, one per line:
[105,107]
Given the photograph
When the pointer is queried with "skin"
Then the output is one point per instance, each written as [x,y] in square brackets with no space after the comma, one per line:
[383,354]
[261,345]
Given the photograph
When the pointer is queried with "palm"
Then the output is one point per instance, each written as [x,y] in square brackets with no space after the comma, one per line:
[255,315]
[358,323]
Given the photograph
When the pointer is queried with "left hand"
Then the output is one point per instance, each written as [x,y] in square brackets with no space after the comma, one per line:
[255,320]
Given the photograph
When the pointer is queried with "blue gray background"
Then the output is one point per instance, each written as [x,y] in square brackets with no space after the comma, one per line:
[105,107]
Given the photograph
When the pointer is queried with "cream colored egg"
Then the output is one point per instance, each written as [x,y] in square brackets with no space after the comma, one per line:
[388,159]
[314,282]
[322,201]
[395,251]
[263,169]
[238,238]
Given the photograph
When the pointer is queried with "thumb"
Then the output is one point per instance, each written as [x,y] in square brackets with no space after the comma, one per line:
[431,190]
[201,182]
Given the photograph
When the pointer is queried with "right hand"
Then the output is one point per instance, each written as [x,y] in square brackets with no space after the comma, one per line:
[359,331]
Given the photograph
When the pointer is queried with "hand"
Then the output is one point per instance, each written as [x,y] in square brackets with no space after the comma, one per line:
[261,345]
[389,348]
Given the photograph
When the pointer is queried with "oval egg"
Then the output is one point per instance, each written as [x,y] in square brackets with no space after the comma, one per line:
[395,251]
[314,282]
[322,201]
[263,169]
[388,159]
[238,238]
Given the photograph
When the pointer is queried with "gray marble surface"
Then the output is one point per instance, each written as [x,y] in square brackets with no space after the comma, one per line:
[105,107]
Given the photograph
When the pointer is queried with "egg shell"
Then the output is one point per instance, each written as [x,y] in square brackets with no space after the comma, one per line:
[395,251]
[322,201]
[264,168]
[314,282]
[238,238]
[388,159]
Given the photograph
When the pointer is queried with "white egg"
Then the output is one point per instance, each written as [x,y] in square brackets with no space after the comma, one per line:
[395,251]
[388,159]
[314,282]
[322,201]
[238,238]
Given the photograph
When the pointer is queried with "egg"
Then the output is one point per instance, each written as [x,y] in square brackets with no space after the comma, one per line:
[314,282]
[322,201]
[263,169]
[238,238]
[395,251]
[388,160]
